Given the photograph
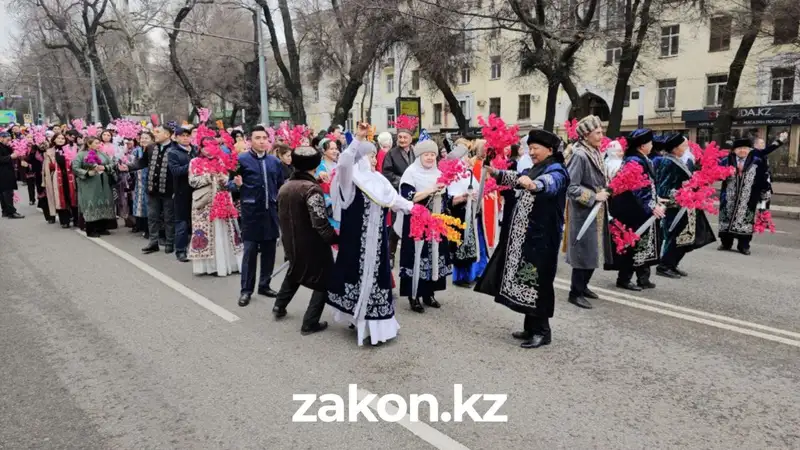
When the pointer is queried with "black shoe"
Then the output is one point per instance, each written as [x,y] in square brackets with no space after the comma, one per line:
[723,248]
[464,284]
[151,248]
[669,273]
[16,216]
[278,312]
[580,301]
[31,203]
[268,292]
[646,284]
[104,233]
[431,302]
[588,293]
[522,335]
[680,272]
[627,285]
[135,229]
[244,300]
[744,251]
[316,328]
[92,235]
[416,306]
[169,249]
[51,221]
[537,341]
[182,257]
[65,226]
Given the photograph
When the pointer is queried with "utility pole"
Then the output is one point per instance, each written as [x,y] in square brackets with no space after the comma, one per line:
[41,97]
[30,103]
[262,72]
[95,108]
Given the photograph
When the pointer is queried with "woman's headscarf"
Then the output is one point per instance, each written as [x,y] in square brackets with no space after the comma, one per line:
[416,174]
[461,186]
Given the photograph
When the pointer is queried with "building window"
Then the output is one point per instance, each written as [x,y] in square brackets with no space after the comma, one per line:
[389,83]
[350,125]
[669,40]
[415,80]
[390,117]
[785,30]
[494,106]
[666,94]
[714,89]
[720,34]
[524,107]
[615,14]
[316,93]
[465,74]
[627,101]
[613,53]
[496,67]
[437,113]
[782,85]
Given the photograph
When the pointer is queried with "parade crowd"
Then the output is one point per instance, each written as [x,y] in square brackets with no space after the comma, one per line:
[492,211]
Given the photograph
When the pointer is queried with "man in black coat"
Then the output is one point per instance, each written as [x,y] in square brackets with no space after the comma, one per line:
[8,178]
[395,164]
[178,160]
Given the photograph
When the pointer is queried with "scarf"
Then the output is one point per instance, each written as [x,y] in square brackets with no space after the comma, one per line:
[359,173]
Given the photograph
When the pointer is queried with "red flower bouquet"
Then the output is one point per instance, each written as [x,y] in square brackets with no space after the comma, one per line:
[622,236]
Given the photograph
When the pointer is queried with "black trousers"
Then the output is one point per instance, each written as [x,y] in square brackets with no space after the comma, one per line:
[96,226]
[31,182]
[672,258]
[580,281]
[394,239]
[537,325]
[250,261]
[726,239]
[315,306]
[65,215]
[7,203]
[161,217]
[626,275]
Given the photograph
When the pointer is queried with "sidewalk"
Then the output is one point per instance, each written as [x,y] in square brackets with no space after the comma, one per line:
[785,199]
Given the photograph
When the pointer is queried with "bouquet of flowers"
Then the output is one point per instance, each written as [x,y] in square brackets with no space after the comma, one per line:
[764,222]
[21,147]
[497,134]
[452,170]
[607,141]
[433,227]
[622,236]
[630,177]
[491,187]
[571,128]
[698,192]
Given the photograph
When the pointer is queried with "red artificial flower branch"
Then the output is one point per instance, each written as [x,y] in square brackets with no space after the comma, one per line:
[698,192]
[497,134]
[452,170]
[764,222]
[631,177]
[622,236]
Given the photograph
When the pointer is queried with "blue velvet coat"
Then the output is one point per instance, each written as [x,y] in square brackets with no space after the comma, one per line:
[261,180]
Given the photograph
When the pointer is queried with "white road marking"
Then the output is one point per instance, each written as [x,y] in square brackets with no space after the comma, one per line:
[170,282]
[716,225]
[421,429]
[697,318]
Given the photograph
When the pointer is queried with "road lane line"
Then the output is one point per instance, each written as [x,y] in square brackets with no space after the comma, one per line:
[695,312]
[421,429]
[690,318]
[170,282]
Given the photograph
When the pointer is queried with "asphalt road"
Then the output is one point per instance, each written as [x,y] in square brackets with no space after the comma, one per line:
[98,353]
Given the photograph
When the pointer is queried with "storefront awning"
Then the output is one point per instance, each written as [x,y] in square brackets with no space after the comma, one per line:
[750,116]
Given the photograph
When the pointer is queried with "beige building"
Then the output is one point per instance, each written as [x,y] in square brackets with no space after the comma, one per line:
[676,85]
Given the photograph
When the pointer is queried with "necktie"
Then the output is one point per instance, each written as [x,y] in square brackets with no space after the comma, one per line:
[741,166]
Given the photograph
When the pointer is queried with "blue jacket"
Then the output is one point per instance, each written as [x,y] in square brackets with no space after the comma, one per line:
[178,160]
[261,180]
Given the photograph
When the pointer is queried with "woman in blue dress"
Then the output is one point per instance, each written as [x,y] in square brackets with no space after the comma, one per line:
[325,173]
[140,187]
[419,185]
[470,256]
[362,198]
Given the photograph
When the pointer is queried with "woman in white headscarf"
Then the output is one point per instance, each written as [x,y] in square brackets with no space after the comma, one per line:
[470,257]
[361,199]
[613,160]
[419,185]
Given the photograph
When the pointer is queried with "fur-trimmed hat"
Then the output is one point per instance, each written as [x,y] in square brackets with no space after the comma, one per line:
[588,124]
[673,141]
[458,152]
[639,137]
[544,138]
[305,158]
[742,142]
[423,147]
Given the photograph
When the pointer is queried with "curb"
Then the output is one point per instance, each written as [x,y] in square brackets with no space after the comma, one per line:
[776,212]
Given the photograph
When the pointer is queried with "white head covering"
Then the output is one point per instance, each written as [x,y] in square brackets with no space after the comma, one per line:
[419,177]
[461,186]
[370,182]
[385,139]
[458,152]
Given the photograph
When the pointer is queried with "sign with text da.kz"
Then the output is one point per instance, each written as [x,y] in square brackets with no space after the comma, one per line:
[752,116]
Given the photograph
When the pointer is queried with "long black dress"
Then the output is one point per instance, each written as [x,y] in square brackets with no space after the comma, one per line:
[521,271]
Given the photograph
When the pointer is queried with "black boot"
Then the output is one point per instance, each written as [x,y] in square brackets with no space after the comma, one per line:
[538,339]
[667,272]
[580,301]
[151,248]
[416,306]
[244,300]
[522,335]
[431,301]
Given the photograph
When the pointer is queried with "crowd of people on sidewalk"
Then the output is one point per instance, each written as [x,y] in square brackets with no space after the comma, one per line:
[491,210]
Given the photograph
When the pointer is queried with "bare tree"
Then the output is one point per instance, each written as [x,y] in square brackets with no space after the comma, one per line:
[347,45]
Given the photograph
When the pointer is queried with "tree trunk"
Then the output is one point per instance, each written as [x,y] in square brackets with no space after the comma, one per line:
[620,89]
[452,102]
[186,83]
[232,117]
[550,106]
[345,102]
[295,86]
[107,91]
[371,93]
[722,126]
